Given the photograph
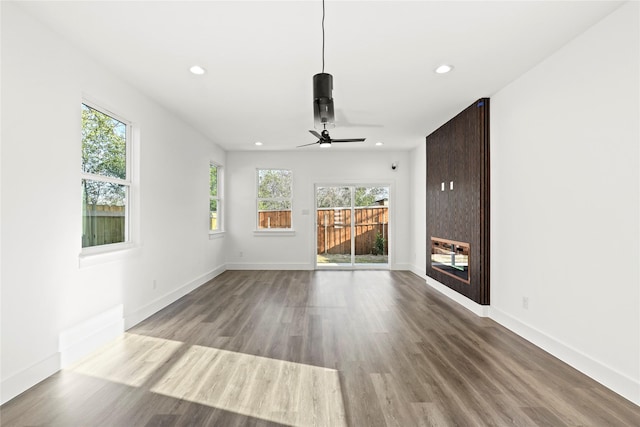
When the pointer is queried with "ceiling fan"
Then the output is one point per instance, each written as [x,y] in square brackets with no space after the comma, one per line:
[324,140]
[323,111]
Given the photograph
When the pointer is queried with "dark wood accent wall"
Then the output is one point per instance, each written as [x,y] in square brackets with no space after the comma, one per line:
[458,151]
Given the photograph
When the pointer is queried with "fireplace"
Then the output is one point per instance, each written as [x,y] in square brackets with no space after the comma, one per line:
[451,258]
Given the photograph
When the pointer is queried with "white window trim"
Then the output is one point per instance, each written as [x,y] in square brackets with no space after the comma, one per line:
[220,231]
[90,251]
[272,231]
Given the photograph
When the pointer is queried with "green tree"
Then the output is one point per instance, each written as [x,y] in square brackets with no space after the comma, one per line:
[104,148]
[213,188]
[213,181]
[274,185]
[368,196]
[340,197]
[378,245]
[333,197]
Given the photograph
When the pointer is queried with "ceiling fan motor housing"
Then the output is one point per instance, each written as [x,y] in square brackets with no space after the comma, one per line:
[323,113]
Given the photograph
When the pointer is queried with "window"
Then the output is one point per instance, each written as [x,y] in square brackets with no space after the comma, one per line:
[215,197]
[105,178]
[274,198]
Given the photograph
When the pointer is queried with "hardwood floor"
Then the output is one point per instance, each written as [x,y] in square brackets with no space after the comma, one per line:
[325,348]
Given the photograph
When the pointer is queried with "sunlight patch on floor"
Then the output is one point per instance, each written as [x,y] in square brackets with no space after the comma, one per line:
[129,360]
[279,391]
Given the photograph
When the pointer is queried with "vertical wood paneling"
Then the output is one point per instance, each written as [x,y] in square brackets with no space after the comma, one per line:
[458,151]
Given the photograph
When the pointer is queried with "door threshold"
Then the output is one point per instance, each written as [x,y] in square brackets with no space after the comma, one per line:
[337,266]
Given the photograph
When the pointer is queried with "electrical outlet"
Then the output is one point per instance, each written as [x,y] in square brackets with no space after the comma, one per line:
[240,254]
[525,303]
[155,284]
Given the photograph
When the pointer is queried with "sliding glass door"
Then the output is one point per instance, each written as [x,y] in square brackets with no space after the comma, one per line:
[352,226]
[333,213]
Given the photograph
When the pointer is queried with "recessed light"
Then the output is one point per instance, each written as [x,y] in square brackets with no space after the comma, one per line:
[198,70]
[379,143]
[443,69]
[258,143]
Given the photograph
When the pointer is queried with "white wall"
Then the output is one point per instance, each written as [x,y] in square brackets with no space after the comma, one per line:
[564,203]
[565,191]
[418,201]
[56,306]
[335,165]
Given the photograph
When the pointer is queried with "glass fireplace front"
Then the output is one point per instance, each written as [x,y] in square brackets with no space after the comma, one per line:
[450,257]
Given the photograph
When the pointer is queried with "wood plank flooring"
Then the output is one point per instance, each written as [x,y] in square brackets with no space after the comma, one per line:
[318,348]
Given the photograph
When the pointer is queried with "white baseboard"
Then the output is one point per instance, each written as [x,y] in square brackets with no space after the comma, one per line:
[475,308]
[616,381]
[402,267]
[89,335]
[269,266]
[158,304]
[300,266]
[75,343]
[27,378]
[418,271]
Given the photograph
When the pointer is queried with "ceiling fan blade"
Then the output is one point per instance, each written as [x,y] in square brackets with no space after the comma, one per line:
[305,145]
[349,140]
[316,134]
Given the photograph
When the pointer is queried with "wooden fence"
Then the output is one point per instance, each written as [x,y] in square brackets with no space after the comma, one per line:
[103,225]
[106,224]
[274,219]
[334,229]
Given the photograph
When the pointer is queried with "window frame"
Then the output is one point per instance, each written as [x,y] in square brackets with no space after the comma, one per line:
[289,199]
[219,198]
[127,182]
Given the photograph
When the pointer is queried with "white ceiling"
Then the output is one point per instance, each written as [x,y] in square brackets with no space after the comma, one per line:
[261,57]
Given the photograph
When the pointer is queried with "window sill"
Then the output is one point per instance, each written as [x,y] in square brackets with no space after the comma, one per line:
[216,235]
[274,232]
[97,255]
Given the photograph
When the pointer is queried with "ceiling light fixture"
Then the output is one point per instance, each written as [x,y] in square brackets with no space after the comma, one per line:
[443,69]
[258,143]
[323,113]
[379,144]
[197,70]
